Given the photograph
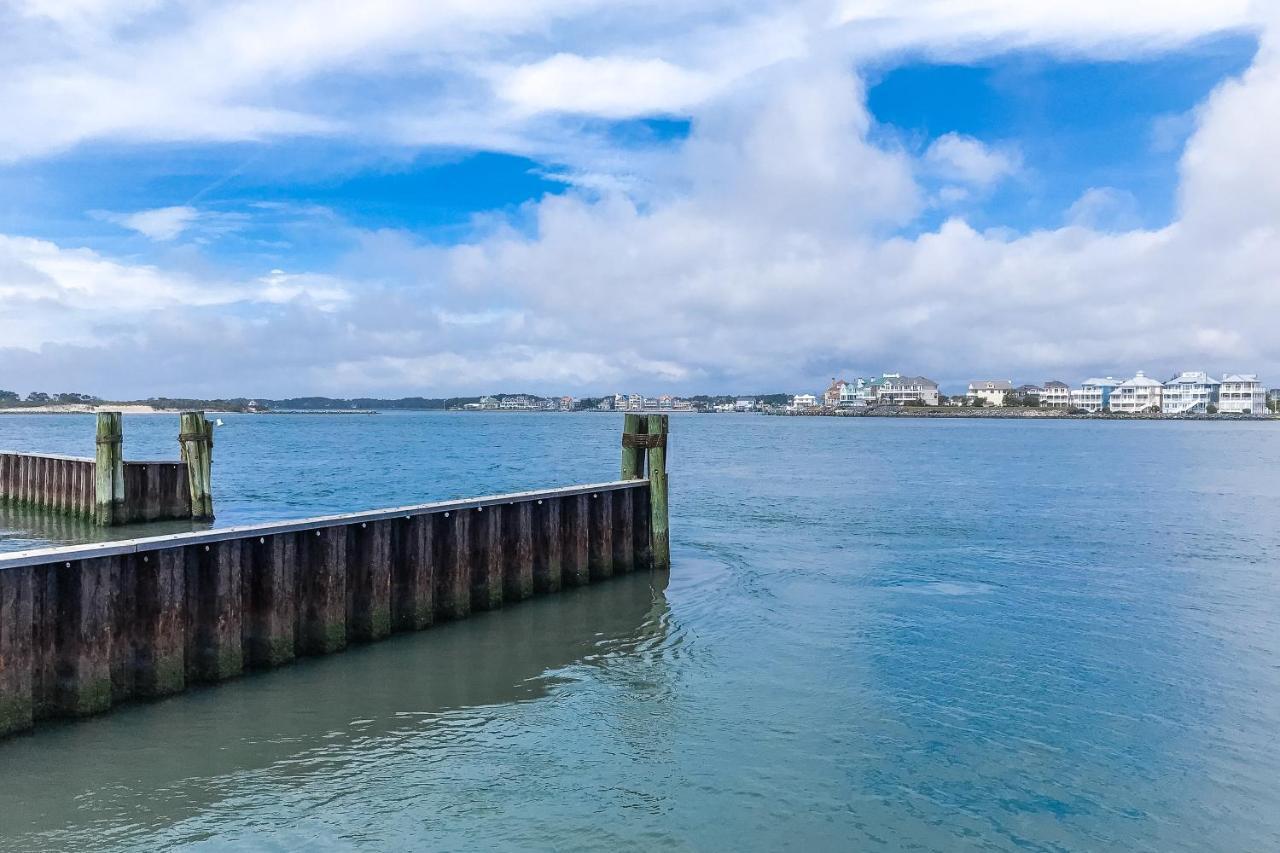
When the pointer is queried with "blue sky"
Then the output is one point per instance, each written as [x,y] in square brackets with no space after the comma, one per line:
[413,205]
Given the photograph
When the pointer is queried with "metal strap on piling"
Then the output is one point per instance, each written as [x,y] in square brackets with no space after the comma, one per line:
[643,440]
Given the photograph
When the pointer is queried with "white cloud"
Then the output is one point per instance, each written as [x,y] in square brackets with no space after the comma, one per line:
[955,157]
[613,87]
[91,70]
[161,223]
[760,252]
[1105,209]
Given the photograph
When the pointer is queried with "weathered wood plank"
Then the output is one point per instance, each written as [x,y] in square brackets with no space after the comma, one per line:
[369,581]
[322,584]
[548,561]
[271,619]
[17,650]
[486,565]
[600,532]
[517,551]
[413,569]
[576,515]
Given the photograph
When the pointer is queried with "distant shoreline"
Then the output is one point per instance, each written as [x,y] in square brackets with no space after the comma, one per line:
[87,409]
[1001,413]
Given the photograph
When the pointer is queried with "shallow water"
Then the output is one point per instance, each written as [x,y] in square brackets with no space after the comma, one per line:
[877,634]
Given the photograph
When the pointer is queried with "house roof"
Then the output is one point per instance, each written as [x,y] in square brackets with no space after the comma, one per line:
[908,381]
[1053,383]
[1108,382]
[1193,377]
[992,384]
[1141,380]
[1240,377]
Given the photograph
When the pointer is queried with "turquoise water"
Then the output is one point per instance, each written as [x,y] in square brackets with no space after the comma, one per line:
[877,635]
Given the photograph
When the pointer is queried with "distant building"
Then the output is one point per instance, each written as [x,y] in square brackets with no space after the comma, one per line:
[990,391]
[744,405]
[1242,394]
[831,397]
[852,395]
[665,402]
[635,402]
[605,404]
[488,403]
[897,390]
[1056,395]
[1094,395]
[1190,392]
[1139,394]
[803,402]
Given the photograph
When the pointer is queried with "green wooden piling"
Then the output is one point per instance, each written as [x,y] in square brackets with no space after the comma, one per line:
[632,455]
[196,439]
[108,500]
[658,492]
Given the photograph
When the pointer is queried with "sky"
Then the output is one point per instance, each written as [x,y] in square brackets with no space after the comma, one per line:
[297,197]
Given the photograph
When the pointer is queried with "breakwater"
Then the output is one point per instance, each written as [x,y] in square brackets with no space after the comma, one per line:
[85,628]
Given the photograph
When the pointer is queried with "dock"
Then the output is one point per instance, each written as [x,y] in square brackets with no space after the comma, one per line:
[84,629]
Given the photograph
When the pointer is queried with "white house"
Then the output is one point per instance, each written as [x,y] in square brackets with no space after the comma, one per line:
[1094,395]
[1190,392]
[1242,394]
[744,406]
[894,389]
[1057,395]
[1139,394]
[852,395]
[803,402]
[990,391]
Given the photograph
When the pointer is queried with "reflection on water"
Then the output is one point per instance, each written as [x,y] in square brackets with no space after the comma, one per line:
[150,771]
[23,527]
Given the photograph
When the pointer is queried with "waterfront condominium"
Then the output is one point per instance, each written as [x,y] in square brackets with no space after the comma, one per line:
[1057,395]
[1139,394]
[1094,395]
[1190,392]
[1242,394]
[897,390]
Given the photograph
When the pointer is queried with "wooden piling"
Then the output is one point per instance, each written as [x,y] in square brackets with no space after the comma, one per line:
[632,452]
[658,527]
[196,439]
[108,500]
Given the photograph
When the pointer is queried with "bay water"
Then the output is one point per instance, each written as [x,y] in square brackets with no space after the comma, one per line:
[877,634]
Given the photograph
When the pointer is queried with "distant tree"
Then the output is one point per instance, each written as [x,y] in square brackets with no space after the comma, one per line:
[1031,401]
[977,402]
[38,397]
[9,396]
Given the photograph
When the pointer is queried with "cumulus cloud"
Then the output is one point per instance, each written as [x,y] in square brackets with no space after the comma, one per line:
[767,249]
[966,160]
